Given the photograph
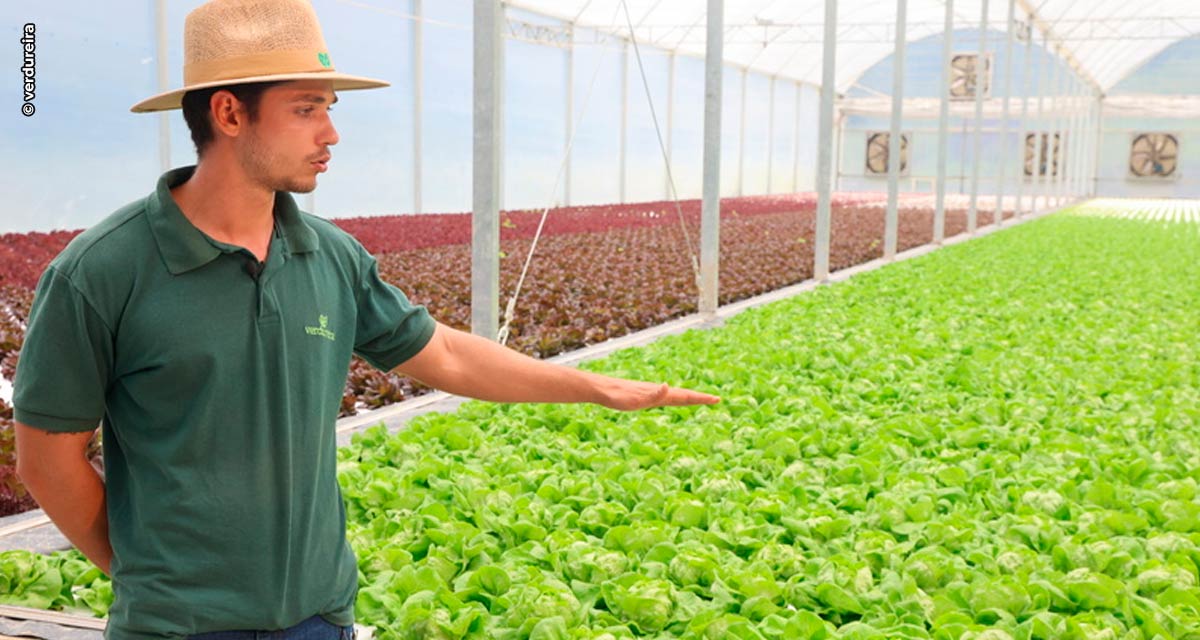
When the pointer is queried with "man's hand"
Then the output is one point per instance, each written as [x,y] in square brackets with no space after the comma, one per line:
[631,395]
[468,365]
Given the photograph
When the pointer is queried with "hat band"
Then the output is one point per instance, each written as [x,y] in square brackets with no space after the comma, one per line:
[256,64]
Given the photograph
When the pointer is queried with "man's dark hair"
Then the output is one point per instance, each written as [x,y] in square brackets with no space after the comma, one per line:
[195,108]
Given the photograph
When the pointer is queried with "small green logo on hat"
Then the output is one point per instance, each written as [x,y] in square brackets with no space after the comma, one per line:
[324,58]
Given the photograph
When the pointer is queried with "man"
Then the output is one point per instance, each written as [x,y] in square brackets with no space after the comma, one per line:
[209,327]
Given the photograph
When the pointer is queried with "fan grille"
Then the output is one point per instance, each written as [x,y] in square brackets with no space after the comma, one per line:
[877,153]
[965,76]
[1049,160]
[1153,155]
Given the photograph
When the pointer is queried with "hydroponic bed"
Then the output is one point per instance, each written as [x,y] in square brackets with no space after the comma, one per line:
[998,440]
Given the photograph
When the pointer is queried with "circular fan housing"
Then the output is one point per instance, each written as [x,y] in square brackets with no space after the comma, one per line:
[965,70]
[1032,150]
[1153,155]
[877,153]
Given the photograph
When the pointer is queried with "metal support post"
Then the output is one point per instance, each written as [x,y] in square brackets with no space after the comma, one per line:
[163,75]
[667,195]
[418,71]
[488,120]
[1080,129]
[741,180]
[796,139]
[1064,118]
[1073,168]
[569,115]
[939,214]
[1040,137]
[1084,139]
[710,212]
[1071,126]
[977,135]
[1008,47]
[895,138]
[1054,156]
[1047,184]
[1067,125]
[771,137]
[1085,142]
[1097,146]
[839,151]
[1085,153]
[1052,150]
[1089,145]
[1064,126]
[825,144]
[624,120]
[1027,83]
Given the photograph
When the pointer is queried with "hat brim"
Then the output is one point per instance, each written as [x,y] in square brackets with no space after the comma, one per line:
[174,99]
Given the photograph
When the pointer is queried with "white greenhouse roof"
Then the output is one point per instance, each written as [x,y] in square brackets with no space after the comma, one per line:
[1104,40]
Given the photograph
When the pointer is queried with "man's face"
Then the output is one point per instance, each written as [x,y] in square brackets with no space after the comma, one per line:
[284,149]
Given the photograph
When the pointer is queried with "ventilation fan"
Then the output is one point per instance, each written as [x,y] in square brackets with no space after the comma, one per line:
[1031,149]
[877,153]
[964,76]
[1153,155]
[1057,160]
[1024,30]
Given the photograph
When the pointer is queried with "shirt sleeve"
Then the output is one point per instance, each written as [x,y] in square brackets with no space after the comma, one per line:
[66,361]
[390,329]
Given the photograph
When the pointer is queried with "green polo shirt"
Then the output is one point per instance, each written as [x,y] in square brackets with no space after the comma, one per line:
[217,390]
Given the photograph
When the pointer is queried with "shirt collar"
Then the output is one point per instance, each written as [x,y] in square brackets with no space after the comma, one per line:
[184,247]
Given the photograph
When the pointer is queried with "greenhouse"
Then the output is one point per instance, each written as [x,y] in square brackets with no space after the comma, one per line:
[940,262]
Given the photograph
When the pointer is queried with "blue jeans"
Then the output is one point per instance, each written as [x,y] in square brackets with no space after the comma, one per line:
[314,628]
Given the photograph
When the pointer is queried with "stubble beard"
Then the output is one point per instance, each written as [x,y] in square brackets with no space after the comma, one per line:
[260,164]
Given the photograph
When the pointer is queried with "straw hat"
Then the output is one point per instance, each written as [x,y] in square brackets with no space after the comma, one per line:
[242,41]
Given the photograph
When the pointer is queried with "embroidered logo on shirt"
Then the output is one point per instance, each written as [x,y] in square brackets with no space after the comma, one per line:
[322,330]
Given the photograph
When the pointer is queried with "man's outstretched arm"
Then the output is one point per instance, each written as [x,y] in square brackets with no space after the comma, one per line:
[468,365]
[55,469]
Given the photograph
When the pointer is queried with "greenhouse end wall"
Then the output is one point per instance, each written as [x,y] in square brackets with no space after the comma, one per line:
[1113,175]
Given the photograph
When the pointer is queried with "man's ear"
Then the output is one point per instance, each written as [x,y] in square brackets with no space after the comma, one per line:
[228,114]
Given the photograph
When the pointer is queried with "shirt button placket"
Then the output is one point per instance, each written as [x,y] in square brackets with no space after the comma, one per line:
[258,287]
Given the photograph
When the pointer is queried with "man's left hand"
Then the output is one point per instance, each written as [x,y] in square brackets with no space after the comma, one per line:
[631,395]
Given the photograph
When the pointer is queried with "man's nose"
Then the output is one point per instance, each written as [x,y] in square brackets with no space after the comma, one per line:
[329,134]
